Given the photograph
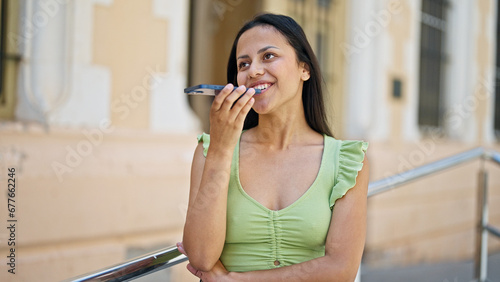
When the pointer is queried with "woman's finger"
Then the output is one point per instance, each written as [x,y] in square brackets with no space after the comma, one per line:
[180,247]
[231,98]
[242,103]
[221,97]
[244,111]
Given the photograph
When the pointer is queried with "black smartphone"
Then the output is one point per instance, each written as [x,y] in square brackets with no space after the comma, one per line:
[207,89]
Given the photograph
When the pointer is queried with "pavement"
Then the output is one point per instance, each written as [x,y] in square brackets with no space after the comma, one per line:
[438,272]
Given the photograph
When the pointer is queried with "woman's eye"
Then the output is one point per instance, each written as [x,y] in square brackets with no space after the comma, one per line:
[268,56]
[242,65]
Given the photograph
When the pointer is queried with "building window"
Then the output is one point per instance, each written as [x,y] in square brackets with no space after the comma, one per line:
[497,79]
[9,58]
[432,58]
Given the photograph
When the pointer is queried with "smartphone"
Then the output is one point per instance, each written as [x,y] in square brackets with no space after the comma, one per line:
[207,89]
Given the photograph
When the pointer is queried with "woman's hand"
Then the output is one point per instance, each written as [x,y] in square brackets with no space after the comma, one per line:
[227,115]
[218,273]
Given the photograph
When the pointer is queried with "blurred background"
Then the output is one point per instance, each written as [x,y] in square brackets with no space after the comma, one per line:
[94,120]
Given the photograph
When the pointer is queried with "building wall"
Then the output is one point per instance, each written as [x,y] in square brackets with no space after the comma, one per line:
[128,192]
[433,219]
[121,45]
[102,136]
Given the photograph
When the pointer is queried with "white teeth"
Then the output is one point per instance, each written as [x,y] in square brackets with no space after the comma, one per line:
[262,86]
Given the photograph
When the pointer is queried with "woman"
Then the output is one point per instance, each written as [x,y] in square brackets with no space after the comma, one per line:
[273,196]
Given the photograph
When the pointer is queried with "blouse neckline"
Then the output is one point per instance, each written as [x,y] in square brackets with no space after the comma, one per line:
[304,195]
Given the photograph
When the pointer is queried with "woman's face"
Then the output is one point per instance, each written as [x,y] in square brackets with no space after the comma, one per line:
[266,61]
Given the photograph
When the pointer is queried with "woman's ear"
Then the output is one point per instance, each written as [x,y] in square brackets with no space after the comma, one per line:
[306,74]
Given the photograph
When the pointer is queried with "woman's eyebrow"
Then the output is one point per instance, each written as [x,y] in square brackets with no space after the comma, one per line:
[266,48]
[258,52]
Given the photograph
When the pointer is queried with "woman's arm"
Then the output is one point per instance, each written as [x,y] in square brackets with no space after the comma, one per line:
[204,230]
[343,249]
[205,227]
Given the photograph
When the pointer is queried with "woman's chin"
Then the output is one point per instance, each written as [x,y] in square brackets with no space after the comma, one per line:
[260,108]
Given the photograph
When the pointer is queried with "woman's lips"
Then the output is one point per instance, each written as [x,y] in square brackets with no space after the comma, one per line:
[262,87]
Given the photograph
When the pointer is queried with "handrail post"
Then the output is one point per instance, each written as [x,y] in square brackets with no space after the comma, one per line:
[481,255]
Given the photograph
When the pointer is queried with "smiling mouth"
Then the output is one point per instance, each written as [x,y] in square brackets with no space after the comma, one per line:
[262,87]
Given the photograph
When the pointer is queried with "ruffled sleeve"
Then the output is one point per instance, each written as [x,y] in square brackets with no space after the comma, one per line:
[350,162]
[205,138]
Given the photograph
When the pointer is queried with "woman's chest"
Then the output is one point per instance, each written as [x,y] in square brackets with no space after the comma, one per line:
[278,179]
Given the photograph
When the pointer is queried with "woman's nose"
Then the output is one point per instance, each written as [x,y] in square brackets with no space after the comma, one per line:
[256,69]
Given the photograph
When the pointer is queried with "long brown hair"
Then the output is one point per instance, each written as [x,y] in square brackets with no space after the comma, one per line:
[312,93]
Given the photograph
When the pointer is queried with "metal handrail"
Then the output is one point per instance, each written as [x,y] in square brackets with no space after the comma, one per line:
[379,186]
[166,258]
[137,267]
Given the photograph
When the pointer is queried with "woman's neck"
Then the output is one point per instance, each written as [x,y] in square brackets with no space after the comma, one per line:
[280,130]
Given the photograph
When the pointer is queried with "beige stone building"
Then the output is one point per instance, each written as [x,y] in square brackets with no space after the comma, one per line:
[94,120]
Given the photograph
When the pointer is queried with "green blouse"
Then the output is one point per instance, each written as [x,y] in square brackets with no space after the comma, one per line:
[258,238]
